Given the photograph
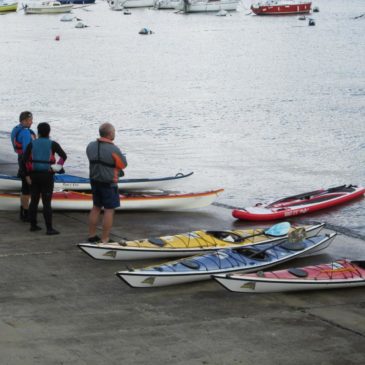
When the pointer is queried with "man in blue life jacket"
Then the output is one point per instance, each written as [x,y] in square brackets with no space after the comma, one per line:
[21,136]
[107,163]
[39,164]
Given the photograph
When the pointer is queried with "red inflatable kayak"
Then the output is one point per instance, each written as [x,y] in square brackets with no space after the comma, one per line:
[300,204]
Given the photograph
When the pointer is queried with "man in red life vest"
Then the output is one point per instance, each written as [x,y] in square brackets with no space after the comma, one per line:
[21,136]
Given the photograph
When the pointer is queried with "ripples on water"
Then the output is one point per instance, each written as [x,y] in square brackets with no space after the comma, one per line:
[263,107]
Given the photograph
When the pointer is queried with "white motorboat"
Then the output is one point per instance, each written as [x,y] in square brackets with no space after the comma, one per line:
[47,7]
[195,6]
[165,4]
[122,4]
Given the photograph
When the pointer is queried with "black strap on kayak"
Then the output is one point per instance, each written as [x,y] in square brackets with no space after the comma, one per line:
[99,161]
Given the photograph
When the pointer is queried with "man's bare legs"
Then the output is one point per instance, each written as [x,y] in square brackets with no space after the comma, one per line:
[93,220]
[107,222]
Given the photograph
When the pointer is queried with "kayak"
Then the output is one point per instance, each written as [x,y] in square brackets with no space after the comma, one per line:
[249,258]
[300,204]
[185,244]
[71,182]
[337,274]
[72,200]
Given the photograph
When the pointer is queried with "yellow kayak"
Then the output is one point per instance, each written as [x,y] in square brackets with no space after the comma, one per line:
[6,7]
[185,244]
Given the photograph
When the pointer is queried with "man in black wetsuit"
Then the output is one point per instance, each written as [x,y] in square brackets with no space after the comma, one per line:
[39,164]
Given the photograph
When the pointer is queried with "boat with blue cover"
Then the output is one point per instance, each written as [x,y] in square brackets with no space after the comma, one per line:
[72,182]
[249,258]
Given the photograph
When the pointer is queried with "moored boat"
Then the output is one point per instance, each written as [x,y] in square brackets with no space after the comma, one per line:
[281,7]
[334,275]
[300,204]
[188,244]
[71,200]
[47,7]
[6,7]
[165,4]
[196,6]
[72,182]
[244,259]
[77,2]
[122,4]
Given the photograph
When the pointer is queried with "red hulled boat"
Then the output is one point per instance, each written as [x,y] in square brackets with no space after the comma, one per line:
[281,7]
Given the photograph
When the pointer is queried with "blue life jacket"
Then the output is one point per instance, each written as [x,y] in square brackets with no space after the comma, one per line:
[28,136]
[42,156]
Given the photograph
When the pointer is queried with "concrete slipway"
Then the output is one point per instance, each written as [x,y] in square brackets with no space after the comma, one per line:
[59,306]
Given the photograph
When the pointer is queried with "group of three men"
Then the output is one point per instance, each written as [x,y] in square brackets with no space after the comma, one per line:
[37,166]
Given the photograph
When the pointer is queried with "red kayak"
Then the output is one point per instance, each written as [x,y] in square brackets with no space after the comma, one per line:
[337,274]
[300,204]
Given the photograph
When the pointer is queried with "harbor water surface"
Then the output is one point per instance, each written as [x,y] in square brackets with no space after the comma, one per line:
[261,106]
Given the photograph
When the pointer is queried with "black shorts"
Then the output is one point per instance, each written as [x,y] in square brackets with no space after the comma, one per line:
[105,195]
[25,190]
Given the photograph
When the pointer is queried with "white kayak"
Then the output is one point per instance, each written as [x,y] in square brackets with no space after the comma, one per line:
[185,244]
[249,258]
[72,200]
[72,182]
[334,275]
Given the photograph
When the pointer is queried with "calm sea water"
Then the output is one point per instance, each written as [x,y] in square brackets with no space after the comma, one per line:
[262,106]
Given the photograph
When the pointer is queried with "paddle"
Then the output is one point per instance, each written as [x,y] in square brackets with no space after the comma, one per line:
[277,230]
[308,195]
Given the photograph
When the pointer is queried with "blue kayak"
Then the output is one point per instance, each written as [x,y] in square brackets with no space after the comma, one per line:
[72,182]
[245,259]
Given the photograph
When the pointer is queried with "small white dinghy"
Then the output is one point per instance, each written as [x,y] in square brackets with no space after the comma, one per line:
[249,258]
[47,7]
[196,6]
[189,244]
[165,4]
[122,4]
[337,274]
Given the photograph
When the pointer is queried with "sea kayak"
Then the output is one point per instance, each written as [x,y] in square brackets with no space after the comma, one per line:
[72,182]
[186,244]
[337,274]
[249,258]
[300,204]
[71,200]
